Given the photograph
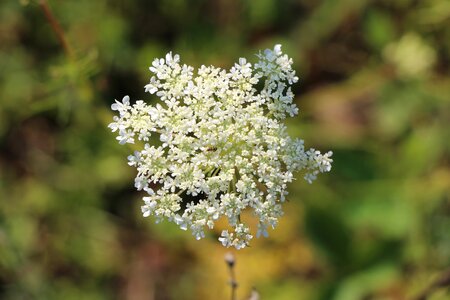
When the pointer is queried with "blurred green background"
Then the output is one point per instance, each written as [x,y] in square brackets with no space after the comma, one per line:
[374,88]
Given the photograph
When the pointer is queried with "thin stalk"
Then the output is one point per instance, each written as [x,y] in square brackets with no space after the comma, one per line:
[210,171]
[230,260]
[57,29]
[216,171]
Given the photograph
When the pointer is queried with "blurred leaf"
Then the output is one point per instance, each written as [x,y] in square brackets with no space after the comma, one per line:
[379,28]
[262,12]
[362,285]
[329,232]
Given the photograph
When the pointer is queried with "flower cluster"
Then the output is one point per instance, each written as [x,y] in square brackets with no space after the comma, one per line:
[221,140]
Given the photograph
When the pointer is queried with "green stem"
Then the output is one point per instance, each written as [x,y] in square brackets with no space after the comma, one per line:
[216,171]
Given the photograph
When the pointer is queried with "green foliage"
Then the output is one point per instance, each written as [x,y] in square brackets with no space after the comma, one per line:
[374,88]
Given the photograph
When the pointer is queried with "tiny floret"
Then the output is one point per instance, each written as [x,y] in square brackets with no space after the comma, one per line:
[218,136]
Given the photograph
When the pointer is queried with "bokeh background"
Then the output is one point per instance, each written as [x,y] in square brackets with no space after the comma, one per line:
[374,88]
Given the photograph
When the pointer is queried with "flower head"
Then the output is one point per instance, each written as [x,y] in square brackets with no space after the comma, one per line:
[221,139]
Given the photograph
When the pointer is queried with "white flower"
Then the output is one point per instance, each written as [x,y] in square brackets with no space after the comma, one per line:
[226,238]
[123,107]
[221,139]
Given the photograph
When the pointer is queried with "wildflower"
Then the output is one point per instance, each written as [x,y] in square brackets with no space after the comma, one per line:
[221,139]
